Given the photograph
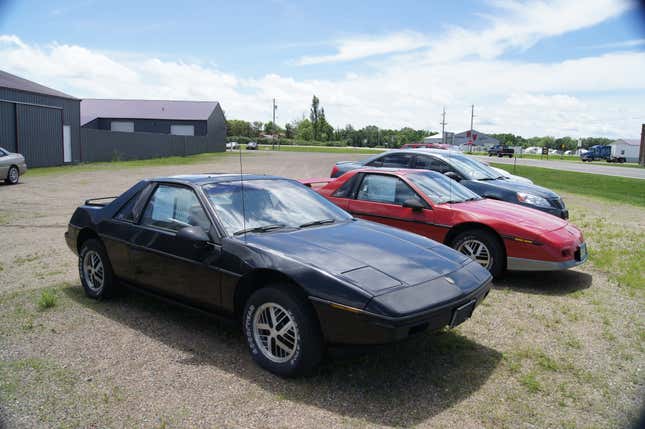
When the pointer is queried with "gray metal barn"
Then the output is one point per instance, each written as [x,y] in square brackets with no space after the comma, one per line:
[136,129]
[39,122]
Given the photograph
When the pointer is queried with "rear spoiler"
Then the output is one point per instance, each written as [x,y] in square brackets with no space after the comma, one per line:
[316,181]
[93,201]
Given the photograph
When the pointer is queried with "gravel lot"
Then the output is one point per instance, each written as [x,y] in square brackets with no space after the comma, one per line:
[545,350]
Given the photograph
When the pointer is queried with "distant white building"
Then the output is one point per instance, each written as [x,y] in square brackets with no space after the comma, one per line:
[478,139]
[626,148]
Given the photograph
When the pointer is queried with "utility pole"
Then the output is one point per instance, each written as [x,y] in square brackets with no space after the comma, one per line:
[443,126]
[472,117]
[641,156]
[273,125]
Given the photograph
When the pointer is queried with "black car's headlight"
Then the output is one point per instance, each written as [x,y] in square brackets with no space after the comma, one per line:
[533,200]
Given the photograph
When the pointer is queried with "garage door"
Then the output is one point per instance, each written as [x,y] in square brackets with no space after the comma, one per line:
[8,126]
[40,135]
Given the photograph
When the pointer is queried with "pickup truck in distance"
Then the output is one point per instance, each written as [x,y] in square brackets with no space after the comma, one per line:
[501,150]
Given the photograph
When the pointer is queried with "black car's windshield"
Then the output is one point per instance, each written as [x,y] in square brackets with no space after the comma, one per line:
[269,204]
[472,169]
[441,189]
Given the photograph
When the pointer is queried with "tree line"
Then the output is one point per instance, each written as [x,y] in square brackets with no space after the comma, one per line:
[316,130]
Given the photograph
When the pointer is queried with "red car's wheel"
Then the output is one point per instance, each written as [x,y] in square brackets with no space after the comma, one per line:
[483,247]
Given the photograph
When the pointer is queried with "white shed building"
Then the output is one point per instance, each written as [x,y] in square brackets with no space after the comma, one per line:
[626,148]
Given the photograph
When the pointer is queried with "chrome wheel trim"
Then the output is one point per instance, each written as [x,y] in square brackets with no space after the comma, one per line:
[275,332]
[13,174]
[93,271]
[477,251]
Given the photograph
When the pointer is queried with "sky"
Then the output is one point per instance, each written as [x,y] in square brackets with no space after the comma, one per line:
[530,67]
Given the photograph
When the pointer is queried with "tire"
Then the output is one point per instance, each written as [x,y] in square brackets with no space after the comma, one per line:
[13,175]
[92,262]
[295,357]
[467,242]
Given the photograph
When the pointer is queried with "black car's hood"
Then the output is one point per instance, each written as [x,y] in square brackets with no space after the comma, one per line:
[372,256]
[521,187]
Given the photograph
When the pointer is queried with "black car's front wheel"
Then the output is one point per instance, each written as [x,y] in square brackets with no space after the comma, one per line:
[282,332]
[482,247]
[95,270]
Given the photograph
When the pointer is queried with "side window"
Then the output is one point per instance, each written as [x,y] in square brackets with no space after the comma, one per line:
[126,213]
[392,160]
[345,190]
[385,189]
[2,153]
[131,210]
[173,208]
[430,163]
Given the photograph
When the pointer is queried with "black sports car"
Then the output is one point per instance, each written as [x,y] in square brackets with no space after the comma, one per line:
[296,270]
[475,175]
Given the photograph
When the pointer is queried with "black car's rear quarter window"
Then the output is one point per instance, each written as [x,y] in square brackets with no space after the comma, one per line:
[393,160]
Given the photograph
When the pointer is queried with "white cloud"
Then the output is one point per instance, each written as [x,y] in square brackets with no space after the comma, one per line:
[367,46]
[515,25]
[576,97]
[624,44]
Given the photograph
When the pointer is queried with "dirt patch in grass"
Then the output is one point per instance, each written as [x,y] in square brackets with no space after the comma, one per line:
[546,350]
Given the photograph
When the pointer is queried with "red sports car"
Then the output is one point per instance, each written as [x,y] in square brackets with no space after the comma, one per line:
[496,234]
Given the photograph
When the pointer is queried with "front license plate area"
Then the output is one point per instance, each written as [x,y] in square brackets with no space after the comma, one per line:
[582,252]
[461,314]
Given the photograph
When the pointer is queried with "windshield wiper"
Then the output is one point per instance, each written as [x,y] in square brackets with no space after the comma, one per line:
[317,222]
[263,228]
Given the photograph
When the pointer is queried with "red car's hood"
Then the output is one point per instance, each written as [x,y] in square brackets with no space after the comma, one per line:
[513,214]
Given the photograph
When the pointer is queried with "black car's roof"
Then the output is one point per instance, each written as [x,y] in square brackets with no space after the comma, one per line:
[203,179]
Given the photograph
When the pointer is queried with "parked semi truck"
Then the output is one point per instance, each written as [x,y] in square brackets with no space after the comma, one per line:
[500,150]
[605,152]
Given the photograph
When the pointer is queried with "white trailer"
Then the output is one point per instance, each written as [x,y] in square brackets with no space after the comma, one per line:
[627,149]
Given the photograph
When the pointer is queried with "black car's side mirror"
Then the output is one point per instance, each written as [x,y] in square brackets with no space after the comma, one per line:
[454,176]
[413,204]
[193,234]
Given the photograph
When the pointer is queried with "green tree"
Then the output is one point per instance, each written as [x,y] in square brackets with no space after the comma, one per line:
[314,116]
[256,127]
[236,127]
[289,131]
[304,130]
[271,128]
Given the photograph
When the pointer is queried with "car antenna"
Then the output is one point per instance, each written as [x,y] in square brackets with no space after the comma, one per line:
[242,189]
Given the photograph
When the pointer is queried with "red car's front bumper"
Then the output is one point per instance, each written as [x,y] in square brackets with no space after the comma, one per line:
[555,250]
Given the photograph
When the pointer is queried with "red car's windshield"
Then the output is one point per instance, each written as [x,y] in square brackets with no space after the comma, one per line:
[441,189]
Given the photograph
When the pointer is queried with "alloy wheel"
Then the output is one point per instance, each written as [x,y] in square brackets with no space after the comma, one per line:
[275,332]
[477,251]
[93,271]
[13,175]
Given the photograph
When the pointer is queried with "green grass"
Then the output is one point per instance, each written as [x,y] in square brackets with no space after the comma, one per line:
[531,383]
[325,149]
[619,189]
[613,248]
[47,299]
[118,165]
